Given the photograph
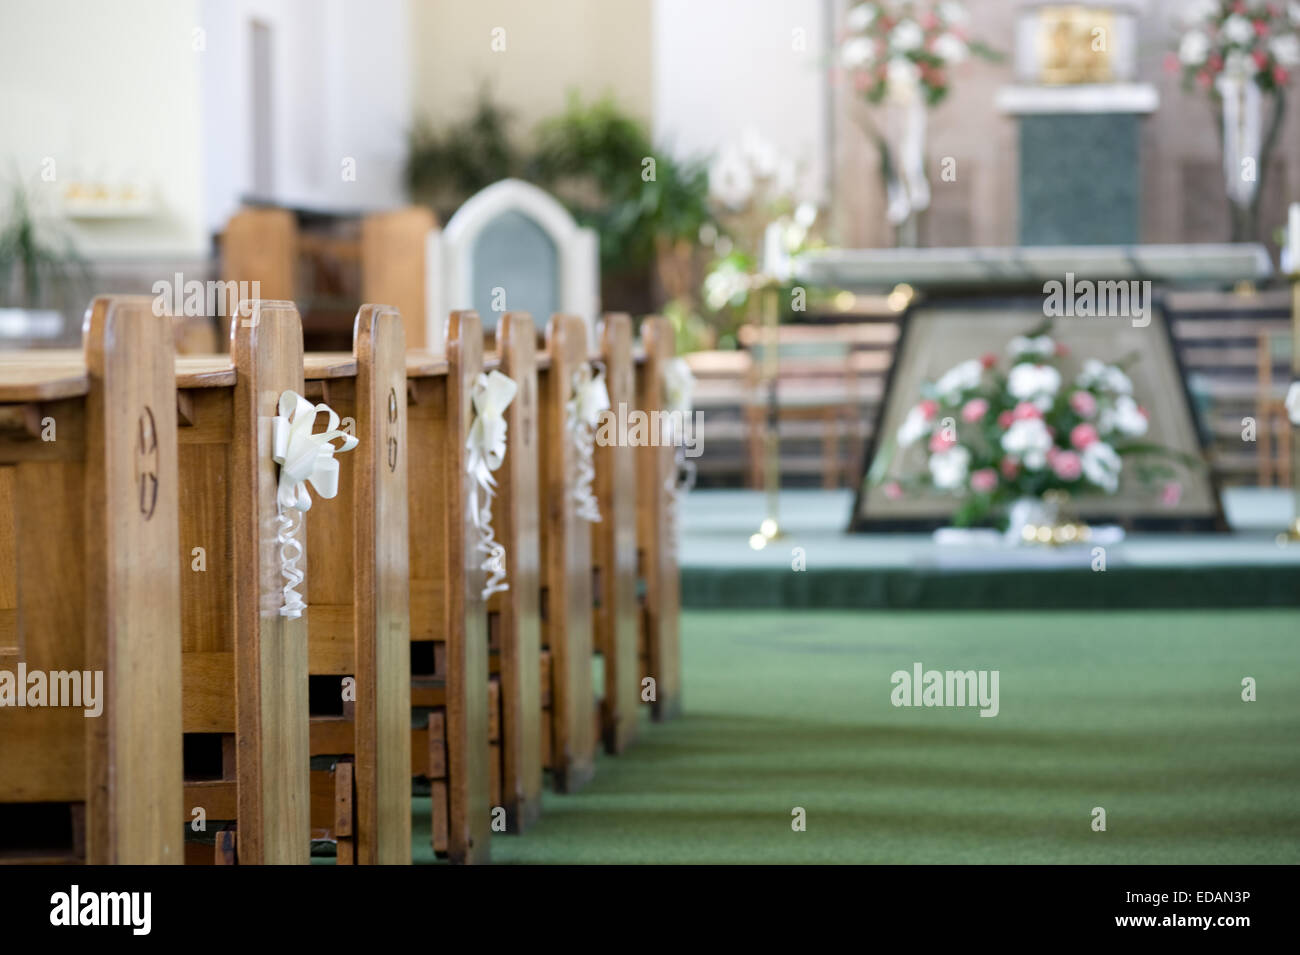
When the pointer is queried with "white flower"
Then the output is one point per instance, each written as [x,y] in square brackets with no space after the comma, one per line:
[1198,11]
[1041,345]
[914,427]
[857,52]
[948,469]
[1123,417]
[906,36]
[730,179]
[902,75]
[1293,403]
[725,285]
[805,214]
[1101,466]
[679,385]
[861,17]
[1029,440]
[958,379]
[1286,49]
[761,155]
[950,48]
[952,12]
[1028,382]
[1104,376]
[1194,48]
[1238,30]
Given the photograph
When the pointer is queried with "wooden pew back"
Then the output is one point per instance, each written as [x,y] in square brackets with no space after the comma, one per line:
[357,604]
[566,565]
[448,613]
[613,543]
[514,615]
[656,531]
[88,517]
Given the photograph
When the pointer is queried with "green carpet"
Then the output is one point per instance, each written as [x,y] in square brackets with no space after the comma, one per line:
[1139,713]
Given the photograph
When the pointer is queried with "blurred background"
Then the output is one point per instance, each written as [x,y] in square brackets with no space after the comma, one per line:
[134,132]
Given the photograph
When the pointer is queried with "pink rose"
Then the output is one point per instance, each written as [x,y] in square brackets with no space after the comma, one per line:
[1004,420]
[1171,62]
[984,481]
[1010,467]
[1171,494]
[1067,465]
[939,441]
[988,360]
[1083,403]
[1083,435]
[929,407]
[975,409]
[1024,411]
[893,491]
[1261,27]
[1260,58]
[1280,76]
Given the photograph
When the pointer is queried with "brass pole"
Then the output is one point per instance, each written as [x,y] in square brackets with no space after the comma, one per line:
[1293,531]
[770,529]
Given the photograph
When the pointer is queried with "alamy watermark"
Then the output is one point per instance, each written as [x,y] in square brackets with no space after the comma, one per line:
[624,427]
[1084,298]
[922,687]
[197,299]
[75,688]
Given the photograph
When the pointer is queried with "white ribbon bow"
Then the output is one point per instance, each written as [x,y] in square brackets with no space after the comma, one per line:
[304,458]
[491,395]
[589,400]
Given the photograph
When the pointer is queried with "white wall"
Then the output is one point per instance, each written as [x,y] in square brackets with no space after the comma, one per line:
[340,89]
[108,91]
[724,66]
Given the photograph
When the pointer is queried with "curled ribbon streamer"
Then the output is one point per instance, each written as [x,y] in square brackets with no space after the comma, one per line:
[304,458]
[290,554]
[491,395]
[582,413]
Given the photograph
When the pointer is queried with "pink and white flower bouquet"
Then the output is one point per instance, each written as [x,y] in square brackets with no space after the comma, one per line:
[991,432]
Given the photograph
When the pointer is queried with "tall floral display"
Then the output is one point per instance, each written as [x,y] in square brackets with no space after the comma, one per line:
[1238,52]
[900,57]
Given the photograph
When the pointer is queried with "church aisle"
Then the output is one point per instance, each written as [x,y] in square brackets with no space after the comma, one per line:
[1138,713]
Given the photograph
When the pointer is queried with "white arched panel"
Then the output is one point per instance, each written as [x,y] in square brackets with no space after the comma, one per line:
[451,255]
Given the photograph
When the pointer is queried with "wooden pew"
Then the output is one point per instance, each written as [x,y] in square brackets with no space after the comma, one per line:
[357,605]
[569,725]
[88,519]
[243,665]
[514,616]
[449,642]
[656,470]
[614,547]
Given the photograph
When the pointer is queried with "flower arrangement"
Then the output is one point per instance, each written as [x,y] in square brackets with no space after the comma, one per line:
[1237,52]
[903,46]
[756,193]
[994,437]
[1260,38]
[901,55]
